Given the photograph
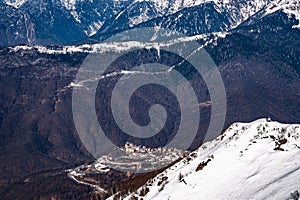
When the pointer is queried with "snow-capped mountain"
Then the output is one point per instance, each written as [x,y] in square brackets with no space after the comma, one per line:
[45,21]
[191,17]
[258,160]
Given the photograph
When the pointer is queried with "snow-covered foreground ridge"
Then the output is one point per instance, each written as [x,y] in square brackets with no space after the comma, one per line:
[258,160]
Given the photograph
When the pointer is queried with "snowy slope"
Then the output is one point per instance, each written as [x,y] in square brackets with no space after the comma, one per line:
[15,3]
[239,10]
[259,160]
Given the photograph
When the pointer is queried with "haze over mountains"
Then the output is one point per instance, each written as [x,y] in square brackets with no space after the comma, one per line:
[255,44]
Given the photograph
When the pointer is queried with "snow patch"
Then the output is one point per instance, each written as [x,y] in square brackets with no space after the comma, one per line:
[15,3]
[69,4]
[93,28]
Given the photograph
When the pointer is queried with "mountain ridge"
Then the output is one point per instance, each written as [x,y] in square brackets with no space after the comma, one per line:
[86,19]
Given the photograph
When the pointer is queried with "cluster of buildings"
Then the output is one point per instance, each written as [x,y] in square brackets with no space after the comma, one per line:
[131,148]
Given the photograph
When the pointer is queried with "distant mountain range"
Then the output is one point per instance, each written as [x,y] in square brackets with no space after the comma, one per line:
[55,22]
